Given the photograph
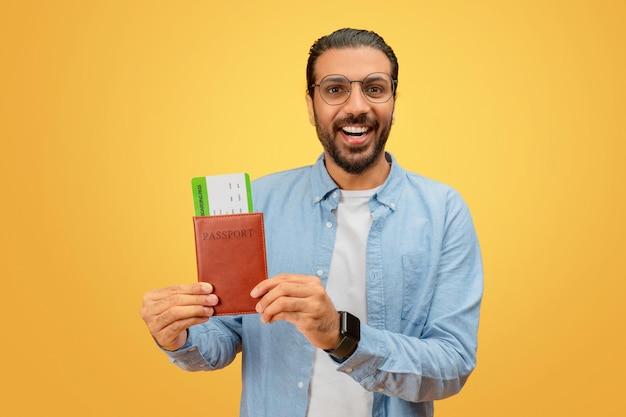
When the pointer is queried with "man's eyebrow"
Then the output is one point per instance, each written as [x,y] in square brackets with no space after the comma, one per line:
[375,77]
[334,77]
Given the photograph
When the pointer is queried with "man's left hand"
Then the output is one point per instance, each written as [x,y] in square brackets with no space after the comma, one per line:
[302,301]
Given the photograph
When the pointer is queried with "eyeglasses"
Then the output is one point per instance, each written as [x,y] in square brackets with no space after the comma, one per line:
[335,89]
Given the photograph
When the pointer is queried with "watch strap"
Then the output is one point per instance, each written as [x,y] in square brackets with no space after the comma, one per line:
[350,331]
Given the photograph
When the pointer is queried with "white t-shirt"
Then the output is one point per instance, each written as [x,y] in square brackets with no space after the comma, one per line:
[334,393]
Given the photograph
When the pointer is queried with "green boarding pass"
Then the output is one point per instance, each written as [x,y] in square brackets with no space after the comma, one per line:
[222,194]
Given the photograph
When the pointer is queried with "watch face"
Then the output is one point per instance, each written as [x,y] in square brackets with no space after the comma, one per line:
[350,326]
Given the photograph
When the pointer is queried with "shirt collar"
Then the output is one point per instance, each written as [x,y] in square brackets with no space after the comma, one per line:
[323,185]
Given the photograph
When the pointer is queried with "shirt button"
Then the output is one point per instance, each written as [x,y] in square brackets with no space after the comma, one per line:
[320,272]
[335,194]
[300,384]
[392,205]
[348,370]
[193,349]
[381,390]
[329,225]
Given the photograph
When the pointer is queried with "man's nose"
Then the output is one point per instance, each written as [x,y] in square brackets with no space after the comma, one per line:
[356,103]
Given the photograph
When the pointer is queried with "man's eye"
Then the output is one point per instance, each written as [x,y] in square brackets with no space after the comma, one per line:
[374,90]
[335,90]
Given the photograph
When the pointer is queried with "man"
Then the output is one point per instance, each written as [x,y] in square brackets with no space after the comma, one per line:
[394,252]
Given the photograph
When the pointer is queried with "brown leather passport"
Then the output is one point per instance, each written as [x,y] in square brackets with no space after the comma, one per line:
[230,254]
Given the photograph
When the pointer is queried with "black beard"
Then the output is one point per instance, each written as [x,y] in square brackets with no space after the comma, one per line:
[349,160]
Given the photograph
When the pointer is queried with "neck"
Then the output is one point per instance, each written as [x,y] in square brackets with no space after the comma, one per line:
[372,177]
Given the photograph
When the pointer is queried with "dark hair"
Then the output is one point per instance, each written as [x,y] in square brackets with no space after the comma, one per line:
[347,38]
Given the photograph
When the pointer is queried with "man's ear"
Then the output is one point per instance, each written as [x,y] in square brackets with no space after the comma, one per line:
[309,104]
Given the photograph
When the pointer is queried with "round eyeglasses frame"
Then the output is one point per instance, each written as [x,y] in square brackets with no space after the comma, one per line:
[349,91]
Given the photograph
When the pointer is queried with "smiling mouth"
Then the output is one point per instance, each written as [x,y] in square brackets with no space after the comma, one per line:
[355,131]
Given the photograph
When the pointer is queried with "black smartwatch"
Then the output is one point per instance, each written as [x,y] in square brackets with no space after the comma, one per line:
[350,331]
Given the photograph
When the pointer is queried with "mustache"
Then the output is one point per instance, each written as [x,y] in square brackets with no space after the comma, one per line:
[362,119]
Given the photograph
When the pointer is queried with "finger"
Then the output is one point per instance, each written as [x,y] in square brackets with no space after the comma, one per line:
[314,292]
[195,288]
[153,307]
[269,284]
[160,307]
[305,320]
[288,316]
[167,300]
[280,306]
[309,307]
[169,335]
[178,315]
[155,296]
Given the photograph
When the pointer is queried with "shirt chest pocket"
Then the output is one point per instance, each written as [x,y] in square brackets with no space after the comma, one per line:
[418,280]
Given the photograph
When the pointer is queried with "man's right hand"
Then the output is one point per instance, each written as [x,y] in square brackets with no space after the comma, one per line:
[169,312]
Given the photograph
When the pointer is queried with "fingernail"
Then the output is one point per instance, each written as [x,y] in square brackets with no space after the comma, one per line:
[254,292]
[206,286]
[259,308]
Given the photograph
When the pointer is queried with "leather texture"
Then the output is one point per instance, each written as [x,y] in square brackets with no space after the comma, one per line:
[230,254]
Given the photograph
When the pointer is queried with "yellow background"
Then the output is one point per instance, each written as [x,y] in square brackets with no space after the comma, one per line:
[108,108]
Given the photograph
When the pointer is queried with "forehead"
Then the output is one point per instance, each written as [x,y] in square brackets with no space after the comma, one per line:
[354,63]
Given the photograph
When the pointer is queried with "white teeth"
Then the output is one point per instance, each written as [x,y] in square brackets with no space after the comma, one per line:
[355,130]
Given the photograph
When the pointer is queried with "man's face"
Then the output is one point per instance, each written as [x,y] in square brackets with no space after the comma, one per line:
[354,133]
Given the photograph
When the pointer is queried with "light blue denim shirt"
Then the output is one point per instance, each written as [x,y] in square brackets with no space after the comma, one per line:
[424,283]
